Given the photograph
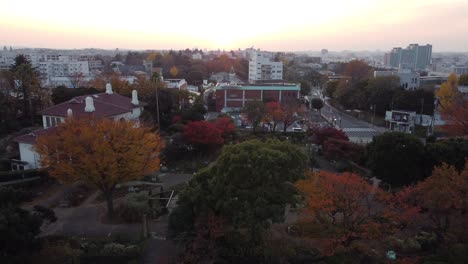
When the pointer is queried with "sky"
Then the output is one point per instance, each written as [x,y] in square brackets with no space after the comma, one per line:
[287,25]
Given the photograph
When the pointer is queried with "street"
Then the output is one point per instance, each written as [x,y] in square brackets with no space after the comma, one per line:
[358,131]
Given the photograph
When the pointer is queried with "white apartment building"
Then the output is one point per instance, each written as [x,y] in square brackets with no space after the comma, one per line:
[408,80]
[262,67]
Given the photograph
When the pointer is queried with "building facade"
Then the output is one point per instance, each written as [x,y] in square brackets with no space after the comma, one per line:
[408,80]
[232,98]
[414,57]
[261,67]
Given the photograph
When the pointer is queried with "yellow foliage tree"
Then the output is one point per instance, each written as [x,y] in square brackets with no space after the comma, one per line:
[174,71]
[448,93]
[102,152]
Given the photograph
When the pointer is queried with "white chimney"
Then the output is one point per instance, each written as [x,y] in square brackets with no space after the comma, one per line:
[69,112]
[135,97]
[109,89]
[89,105]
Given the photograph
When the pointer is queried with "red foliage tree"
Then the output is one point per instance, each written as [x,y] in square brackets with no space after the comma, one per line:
[202,133]
[339,149]
[323,134]
[225,125]
[456,118]
[344,206]
[274,114]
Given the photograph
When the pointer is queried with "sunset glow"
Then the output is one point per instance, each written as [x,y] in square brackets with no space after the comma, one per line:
[274,25]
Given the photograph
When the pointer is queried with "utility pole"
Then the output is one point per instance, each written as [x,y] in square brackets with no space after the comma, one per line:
[155,83]
[372,107]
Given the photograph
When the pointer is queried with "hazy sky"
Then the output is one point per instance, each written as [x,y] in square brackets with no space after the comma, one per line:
[266,24]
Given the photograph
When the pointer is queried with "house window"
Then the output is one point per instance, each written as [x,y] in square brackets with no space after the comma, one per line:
[53,121]
[59,120]
[47,121]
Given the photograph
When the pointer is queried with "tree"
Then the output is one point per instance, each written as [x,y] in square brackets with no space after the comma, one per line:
[225,125]
[76,79]
[442,198]
[463,79]
[102,152]
[452,151]
[323,134]
[456,119]
[19,228]
[448,94]
[174,71]
[202,134]
[247,186]
[274,114]
[255,111]
[338,149]
[344,206]
[396,158]
[330,88]
[305,88]
[317,103]
[289,107]
[358,70]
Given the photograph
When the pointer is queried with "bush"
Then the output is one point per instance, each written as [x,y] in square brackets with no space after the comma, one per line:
[19,175]
[134,206]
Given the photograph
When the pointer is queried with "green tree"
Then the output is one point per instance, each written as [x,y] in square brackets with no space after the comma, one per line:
[305,88]
[255,111]
[317,103]
[396,158]
[247,186]
[19,228]
[381,91]
[451,151]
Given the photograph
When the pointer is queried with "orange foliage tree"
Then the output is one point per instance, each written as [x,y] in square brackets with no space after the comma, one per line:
[453,108]
[344,206]
[443,199]
[102,152]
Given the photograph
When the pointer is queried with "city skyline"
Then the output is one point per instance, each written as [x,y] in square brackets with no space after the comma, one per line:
[298,26]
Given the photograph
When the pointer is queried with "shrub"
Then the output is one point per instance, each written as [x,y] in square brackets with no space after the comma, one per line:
[134,206]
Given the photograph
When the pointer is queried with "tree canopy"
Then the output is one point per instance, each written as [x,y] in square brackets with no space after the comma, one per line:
[396,157]
[102,152]
[247,186]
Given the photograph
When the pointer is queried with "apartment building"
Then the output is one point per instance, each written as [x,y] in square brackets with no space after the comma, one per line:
[262,67]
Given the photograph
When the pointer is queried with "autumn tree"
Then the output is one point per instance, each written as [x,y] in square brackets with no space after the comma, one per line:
[202,134]
[442,198]
[102,152]
[274,114]
[357,70]
[255,111]
[338,149]
[344,206]
[225,125]
[448,94]
[290,108]
[173,71]
[321,135]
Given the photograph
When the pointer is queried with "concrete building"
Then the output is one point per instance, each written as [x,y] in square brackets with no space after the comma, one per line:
[261,67]
[196,56]
[408,80]
[401,121]
[232,98]
[104,105]
[180,84]
[459,69]
[414,57]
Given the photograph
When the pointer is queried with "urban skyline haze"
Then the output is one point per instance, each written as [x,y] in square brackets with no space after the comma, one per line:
[273,25]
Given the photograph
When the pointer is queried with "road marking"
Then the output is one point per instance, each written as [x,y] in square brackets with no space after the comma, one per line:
[359,129]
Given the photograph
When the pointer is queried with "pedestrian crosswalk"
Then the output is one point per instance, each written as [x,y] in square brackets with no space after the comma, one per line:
[358,129]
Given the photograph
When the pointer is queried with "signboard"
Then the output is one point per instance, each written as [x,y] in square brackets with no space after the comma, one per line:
[400,117]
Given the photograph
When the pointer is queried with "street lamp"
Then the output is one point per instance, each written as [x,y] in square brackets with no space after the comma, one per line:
[372,107]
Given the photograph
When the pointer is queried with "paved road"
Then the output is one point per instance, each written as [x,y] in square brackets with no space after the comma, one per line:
[357,130]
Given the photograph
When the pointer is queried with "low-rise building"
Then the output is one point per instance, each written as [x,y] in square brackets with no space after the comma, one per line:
[105,105]
[232,98]
[408,80]
[180,84]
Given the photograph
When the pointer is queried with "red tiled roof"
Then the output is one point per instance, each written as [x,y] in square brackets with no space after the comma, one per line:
[30,138]
[105,105]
